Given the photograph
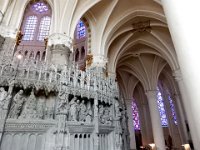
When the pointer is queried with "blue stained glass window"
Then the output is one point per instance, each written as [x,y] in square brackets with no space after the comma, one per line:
[40,7]
[30,26]
[81,30]
[161,109]
[44,28]
[136,121]
[172,109]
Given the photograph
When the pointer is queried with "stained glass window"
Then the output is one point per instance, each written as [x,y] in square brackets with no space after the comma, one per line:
[40,7]
[136,121]
[172,109]
[81,30]
[161,108]
[44,28]
[30,26]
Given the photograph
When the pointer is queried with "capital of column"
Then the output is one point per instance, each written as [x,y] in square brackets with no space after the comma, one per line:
[177,75]
[7,31]
[99,61]
[151,94]
[60,39]
[128,101]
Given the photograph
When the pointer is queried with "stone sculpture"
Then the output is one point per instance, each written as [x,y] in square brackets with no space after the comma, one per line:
[89,114]
[17,105]
[101,111]
[82,111]
[73,109]
[30,107]
[118,114]
[62,106]
[89,120]
[106,118]
[40,109]
[3,96]
[49,111]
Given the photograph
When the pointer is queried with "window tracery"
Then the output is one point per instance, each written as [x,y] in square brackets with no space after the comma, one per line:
[161,108]
[40,7]
[44,28]
[172,107]
[136,121]
[35,28]
[81,30]
[30,27]
[81,43]
[37,22]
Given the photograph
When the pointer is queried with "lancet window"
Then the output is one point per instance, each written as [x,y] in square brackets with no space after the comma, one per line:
[30,27]
[161,108]
[136,121]
[81,29]
[44,28]
[172,107]
[81,43]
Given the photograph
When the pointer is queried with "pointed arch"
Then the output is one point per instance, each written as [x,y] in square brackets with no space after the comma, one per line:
[35,27]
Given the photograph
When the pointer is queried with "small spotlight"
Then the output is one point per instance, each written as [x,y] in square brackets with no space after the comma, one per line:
[19,56]
[153,146]
[186,146]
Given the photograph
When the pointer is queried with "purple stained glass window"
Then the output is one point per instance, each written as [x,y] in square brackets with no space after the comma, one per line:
[81,30]
[44,28]
[40,7]
[172,109]
[161,109]
[30,26]
[136,121]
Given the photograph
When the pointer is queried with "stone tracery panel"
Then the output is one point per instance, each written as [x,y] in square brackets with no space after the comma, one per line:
[58,105]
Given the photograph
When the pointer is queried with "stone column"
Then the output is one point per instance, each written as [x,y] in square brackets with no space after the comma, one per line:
[59,49]
[146,124]
[142,124]
[187,106]
[99,61]
[174,130]
[184,27]
[130,123]
[3,6]
[98,64]
[96,123]
[8,46]
[60,134]
[155,119]
[181,118]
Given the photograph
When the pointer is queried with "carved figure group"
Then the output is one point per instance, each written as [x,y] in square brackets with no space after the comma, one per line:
[30,108]
[104,115]
[75,110]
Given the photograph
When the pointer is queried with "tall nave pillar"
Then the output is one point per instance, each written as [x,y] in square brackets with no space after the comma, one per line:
[130,123]
[155,119]
[184,25]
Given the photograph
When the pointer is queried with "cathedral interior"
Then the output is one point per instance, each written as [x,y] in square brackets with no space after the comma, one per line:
[94,75]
